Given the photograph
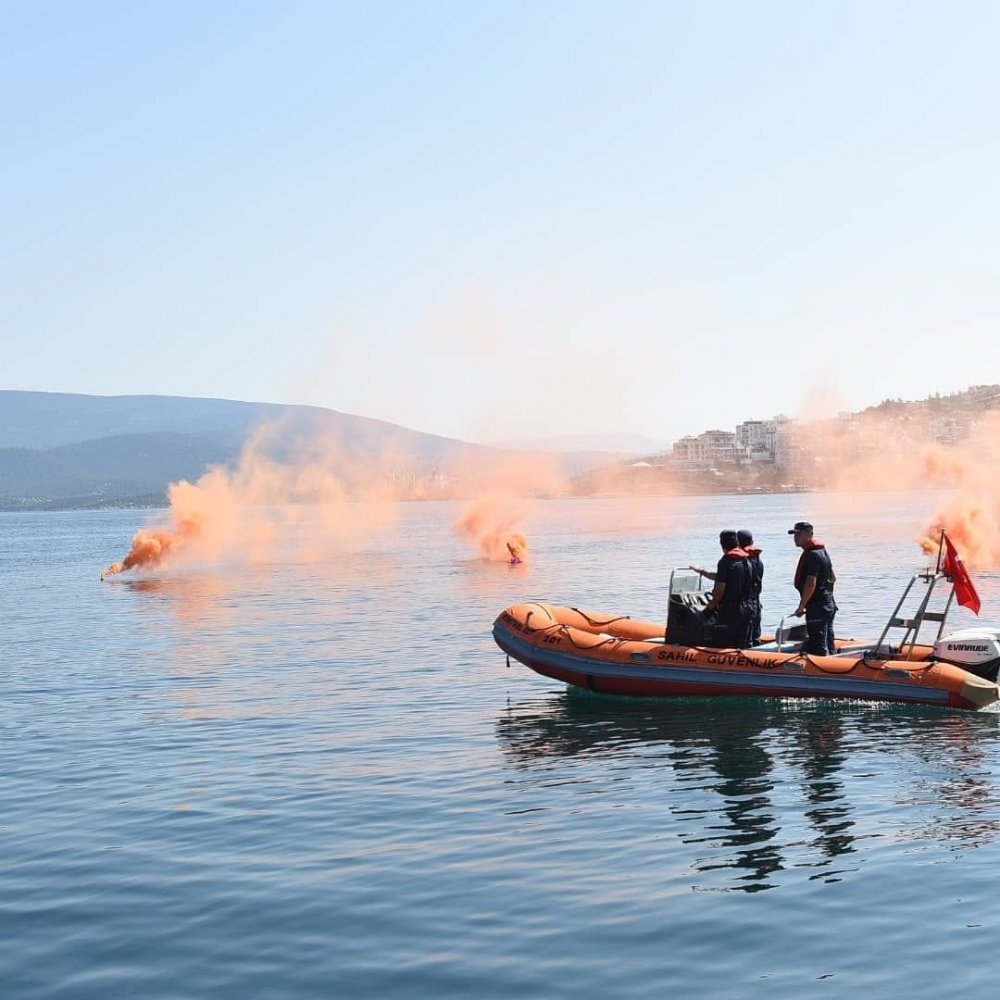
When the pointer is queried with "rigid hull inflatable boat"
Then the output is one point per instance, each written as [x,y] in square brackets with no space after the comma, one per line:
[621,655]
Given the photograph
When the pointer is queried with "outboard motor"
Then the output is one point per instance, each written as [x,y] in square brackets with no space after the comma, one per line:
[974,649]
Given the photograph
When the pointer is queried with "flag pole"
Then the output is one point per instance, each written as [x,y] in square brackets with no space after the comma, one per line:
[937,569]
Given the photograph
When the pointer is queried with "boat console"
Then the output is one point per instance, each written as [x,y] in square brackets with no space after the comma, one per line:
[688,625]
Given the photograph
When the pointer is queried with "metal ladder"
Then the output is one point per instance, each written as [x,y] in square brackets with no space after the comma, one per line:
[911,626]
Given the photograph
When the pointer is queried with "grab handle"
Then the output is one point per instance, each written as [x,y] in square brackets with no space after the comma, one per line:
[780,634]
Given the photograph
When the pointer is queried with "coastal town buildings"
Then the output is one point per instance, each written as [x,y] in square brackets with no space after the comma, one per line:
[760,442]
[781,443]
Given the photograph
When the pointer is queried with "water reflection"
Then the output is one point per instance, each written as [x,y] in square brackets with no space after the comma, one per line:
[246,598]
[820,738]
[218,644]
[773,768]
[956,756]
[747,838]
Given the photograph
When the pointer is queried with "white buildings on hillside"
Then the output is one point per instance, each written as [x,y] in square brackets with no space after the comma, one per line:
[893,428]
[766,442]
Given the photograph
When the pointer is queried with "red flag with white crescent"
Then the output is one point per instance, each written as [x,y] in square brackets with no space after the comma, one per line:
[953,566]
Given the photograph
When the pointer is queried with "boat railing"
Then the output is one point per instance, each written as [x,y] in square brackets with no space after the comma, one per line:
[788,640]
[682,578]
[911,626]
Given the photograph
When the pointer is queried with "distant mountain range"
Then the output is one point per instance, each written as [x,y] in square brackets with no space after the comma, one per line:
[60,450]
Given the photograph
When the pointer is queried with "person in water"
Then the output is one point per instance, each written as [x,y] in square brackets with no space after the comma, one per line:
[730,602]
[744,539]
[814,580]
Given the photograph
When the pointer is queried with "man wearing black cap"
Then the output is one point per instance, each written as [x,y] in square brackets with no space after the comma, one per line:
[730,596]
[814,580]
[744,539]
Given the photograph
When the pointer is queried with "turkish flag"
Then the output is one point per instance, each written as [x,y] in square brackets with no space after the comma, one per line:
[965,592]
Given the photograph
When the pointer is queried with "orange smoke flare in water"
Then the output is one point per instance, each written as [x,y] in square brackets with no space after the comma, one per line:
[152,545]
[517,546]
[262,509]
[490,523]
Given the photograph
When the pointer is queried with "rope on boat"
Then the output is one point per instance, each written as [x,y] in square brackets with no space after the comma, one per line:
[912,667]
[557,626]
[527,619]
[597,645]
[597,624]
[810,659]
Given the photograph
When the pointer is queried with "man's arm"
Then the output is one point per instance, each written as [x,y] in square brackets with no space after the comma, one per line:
[808,589]
[717,592]
[707,573]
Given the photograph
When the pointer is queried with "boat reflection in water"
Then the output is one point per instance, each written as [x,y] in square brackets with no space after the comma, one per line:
[761,790]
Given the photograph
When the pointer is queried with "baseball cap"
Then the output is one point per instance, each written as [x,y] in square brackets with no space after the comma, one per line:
[801,526]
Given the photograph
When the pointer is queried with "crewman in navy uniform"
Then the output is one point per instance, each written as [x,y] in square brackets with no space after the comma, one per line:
[744,539]
[814,580]
[730,600]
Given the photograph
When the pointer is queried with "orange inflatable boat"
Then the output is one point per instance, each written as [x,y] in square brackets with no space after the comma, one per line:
[615,654]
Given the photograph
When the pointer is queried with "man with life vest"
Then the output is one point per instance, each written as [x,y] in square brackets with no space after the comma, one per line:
[814,580]
[744,539]
[730,600]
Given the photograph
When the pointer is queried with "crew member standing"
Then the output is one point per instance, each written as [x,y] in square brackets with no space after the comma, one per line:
[814,580]
[730,600]
[744,539]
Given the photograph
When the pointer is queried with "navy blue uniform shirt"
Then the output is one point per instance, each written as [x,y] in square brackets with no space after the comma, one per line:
[735,574]
[817,563]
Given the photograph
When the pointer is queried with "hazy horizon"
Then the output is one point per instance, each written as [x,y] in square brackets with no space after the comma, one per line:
[608,439]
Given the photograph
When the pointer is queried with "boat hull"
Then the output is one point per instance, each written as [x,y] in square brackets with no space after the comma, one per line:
[596,651]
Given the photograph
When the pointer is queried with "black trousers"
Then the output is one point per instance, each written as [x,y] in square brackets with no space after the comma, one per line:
[732,627]
[755,622]
[819,624]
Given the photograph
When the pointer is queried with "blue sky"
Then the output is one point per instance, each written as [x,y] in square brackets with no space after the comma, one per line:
[503,221]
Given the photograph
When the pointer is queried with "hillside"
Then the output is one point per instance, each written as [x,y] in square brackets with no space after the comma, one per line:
[61,450]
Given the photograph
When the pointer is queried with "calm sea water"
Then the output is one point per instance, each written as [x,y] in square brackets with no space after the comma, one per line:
[322,779]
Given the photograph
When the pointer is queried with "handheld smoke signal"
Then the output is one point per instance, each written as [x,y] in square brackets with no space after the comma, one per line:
[516,547]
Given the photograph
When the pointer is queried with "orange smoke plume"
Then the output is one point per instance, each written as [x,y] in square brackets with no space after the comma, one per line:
[152,545]
[880,451]
[971,516]
[263,509]
[972,524]
[490,524]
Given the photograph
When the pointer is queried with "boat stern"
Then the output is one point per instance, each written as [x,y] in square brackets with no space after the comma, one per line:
[979,692]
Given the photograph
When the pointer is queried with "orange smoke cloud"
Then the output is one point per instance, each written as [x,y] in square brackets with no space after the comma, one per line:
[151,546]
[882,451]
[490,524]
[971,515]
[972,522]
[264,509]
[299,491]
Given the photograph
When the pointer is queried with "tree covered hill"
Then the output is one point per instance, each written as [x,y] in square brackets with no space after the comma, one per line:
[68,450]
